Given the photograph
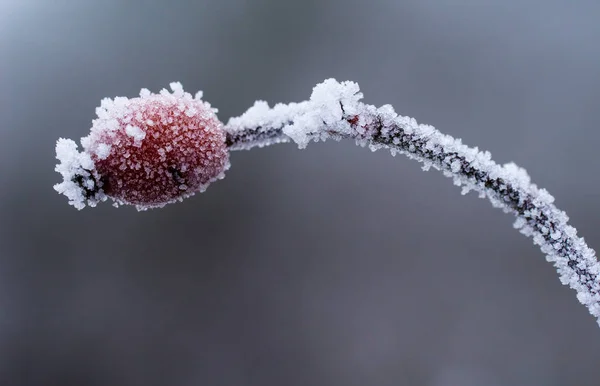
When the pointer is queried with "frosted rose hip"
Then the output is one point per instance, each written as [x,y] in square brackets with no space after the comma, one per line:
[149,151]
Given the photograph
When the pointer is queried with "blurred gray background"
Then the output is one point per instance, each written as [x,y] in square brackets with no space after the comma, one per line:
[327,266]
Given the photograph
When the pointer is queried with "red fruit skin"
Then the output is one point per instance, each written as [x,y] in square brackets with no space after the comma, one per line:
[163,148]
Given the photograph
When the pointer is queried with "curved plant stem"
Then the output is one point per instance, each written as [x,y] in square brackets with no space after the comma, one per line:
[335,111]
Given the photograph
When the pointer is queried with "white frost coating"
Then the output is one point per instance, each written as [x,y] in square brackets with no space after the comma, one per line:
[144,93]
[325,108]
[82,183]
[103,150]
[177,89]
[136,133]
[263,120]
[77,170]
[300,122]
[335,111]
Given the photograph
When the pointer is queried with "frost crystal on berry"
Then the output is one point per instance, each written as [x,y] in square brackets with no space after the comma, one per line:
[147,151]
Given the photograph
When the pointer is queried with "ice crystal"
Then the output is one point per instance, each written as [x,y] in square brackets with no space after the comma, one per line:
[80,183]
[335,111]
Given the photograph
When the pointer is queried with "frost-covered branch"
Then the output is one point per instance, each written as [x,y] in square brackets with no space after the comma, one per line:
[335,111]
[160,148]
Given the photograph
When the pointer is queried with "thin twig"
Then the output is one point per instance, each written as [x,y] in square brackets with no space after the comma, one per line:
[335,111]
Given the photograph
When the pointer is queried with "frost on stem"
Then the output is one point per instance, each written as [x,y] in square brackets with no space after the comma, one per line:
[335,111]
[157,149]
[80,179]
[147,151]
[318,118]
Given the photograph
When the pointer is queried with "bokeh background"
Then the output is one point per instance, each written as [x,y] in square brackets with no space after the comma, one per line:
[327,266]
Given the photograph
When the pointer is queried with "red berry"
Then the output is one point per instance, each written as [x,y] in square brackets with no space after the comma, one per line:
[158,148]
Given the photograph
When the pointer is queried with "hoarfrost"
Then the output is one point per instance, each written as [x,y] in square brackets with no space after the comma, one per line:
[261,125]
[103,150]
[335,111]
[136,133]
[135,148]
[177,89]
[80,180]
